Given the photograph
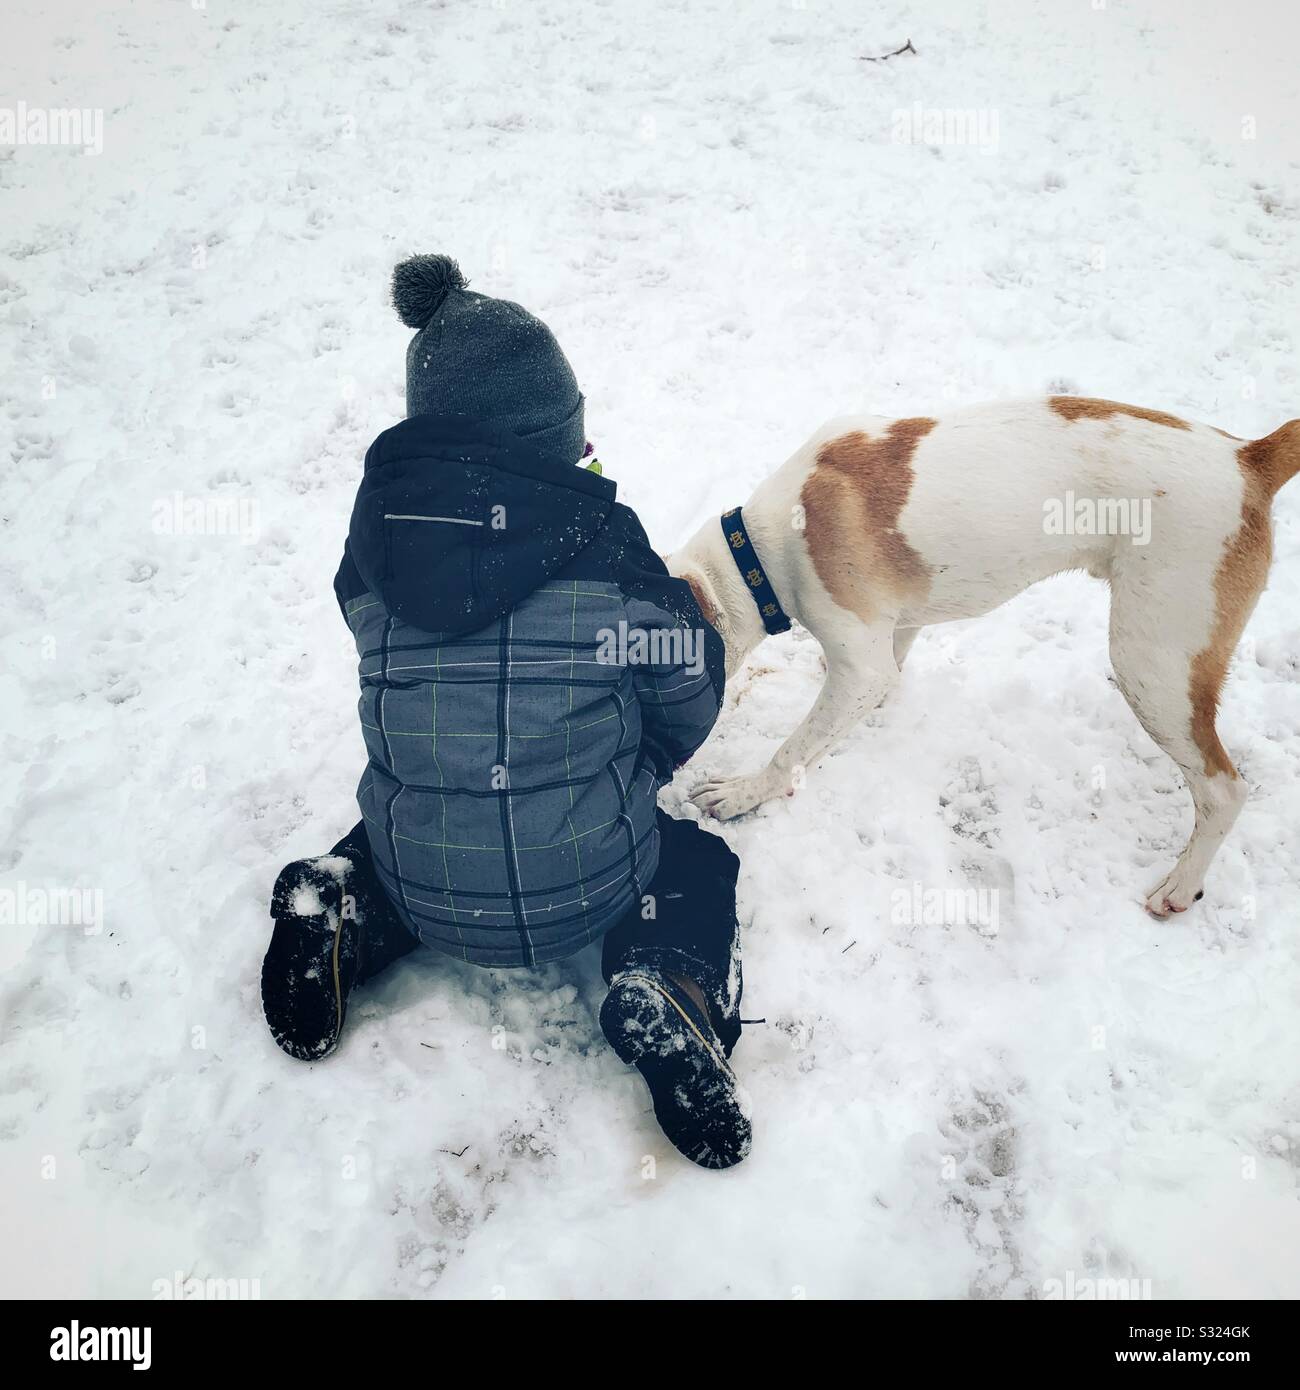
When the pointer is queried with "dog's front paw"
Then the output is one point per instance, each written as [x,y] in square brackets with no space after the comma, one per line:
[733,797]
[1176,892]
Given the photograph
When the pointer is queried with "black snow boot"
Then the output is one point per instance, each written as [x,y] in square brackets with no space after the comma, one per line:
[333,929]
[655,1025]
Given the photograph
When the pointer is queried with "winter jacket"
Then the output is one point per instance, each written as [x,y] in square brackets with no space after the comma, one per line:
[530,676]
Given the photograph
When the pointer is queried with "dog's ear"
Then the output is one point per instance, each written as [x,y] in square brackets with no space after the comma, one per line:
[716,616]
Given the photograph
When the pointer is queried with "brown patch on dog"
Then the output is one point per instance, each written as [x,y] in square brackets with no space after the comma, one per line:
[1265,465]
[707,606]
[852,501]
[1089,408]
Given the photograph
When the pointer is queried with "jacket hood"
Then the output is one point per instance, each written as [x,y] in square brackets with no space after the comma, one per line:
[454,524]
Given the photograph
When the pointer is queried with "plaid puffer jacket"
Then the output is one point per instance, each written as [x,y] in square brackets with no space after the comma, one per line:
[530,676]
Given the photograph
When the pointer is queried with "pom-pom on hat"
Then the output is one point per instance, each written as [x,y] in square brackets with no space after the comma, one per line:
[486,359]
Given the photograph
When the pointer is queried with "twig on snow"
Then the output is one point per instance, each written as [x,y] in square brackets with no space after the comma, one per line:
[884,57]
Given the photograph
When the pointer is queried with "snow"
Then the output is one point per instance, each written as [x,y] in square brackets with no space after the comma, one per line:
[707,204]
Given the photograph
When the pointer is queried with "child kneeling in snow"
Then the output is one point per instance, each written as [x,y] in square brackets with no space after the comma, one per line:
[521,707]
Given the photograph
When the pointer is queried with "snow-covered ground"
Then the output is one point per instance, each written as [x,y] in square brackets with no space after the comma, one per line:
[708,202]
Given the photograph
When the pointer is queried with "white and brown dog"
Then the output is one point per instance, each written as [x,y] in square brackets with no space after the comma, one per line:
[876,528]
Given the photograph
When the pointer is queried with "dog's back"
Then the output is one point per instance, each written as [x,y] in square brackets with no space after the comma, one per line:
[951,516]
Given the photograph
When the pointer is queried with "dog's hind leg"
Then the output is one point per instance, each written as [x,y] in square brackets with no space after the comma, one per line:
[1173,628]
[860,672]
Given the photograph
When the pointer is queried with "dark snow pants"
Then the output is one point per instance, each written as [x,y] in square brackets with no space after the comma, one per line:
[685,924]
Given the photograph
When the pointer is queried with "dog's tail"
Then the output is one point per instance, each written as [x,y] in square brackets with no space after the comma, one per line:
[1275,459]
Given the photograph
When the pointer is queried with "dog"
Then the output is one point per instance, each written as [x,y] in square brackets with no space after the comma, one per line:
[877,528]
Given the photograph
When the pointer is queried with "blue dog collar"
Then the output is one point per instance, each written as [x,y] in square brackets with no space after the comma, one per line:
[746,558]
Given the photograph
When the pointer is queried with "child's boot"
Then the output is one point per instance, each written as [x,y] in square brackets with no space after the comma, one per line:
[658,1022]
[333,928]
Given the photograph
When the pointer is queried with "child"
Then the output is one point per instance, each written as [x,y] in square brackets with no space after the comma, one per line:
[530,677]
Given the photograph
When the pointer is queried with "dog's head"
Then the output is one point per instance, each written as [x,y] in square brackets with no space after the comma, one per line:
[705,564]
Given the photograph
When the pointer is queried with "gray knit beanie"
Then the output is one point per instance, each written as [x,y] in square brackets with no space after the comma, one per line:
[486,359]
